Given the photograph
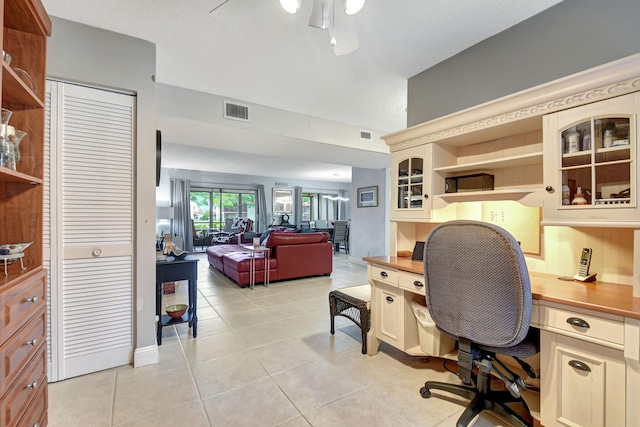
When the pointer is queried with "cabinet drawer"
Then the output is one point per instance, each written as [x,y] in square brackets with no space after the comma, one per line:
[20,348]
[28,389]
[19,303]
[36,413]
[580,323]
[387,275]
[411,282]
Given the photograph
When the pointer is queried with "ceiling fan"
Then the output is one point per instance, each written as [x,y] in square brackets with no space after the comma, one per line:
[342,34]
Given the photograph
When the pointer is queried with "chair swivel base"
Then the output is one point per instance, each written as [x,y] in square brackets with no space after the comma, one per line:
[494,401]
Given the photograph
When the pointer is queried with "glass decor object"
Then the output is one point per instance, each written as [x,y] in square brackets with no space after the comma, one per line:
[16,139]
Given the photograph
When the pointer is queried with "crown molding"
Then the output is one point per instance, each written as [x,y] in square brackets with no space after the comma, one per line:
[524,110]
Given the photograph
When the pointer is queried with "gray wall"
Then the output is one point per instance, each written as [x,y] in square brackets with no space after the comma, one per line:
[369,229]
[79,53]
[572,36]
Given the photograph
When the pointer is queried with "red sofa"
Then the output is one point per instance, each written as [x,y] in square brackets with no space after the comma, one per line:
[292,255]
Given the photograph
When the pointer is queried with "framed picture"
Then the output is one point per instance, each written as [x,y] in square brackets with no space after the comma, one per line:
[368,197]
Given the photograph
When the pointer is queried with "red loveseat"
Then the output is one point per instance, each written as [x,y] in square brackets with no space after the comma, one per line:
[292,255]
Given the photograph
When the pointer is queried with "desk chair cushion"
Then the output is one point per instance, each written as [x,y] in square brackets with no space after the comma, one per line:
[496,313]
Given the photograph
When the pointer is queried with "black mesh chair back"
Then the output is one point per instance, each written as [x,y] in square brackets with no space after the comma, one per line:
[478,291]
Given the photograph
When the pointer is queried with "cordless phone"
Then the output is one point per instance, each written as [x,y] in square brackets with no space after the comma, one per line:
[583,268]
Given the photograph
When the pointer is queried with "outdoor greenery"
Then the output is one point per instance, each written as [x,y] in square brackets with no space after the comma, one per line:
[210,209]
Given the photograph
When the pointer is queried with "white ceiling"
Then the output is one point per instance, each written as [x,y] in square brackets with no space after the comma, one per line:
[253,51]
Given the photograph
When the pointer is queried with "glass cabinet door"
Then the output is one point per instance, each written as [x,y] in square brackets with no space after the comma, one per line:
[410,181]
[597,162]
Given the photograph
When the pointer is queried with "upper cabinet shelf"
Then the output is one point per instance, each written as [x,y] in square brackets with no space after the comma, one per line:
[15,92]
[28,16]
[495,163]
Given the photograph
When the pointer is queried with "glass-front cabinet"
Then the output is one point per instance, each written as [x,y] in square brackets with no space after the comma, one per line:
[411,183]
[590,164]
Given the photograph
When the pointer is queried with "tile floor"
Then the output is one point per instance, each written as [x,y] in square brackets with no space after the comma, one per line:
[263,357]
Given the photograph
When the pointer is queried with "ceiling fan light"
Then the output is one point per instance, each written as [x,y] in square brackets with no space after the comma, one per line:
[351,7]
[291,6]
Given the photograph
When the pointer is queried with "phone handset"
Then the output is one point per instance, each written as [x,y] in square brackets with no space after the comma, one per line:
[583,268]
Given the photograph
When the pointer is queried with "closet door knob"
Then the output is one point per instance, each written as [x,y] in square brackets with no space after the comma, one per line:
[426,196]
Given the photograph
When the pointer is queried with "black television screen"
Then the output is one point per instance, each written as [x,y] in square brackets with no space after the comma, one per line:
[158,156]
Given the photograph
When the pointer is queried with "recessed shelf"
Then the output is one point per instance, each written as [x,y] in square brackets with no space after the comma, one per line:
[503,162]
[527,197]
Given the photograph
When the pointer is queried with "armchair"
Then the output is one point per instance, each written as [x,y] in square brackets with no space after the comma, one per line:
[478,292]
[239,226]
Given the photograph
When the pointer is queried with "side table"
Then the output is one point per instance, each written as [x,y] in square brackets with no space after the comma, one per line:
[252,264]
[171,270]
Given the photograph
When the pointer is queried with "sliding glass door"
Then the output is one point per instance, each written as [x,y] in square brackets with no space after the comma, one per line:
[211,207]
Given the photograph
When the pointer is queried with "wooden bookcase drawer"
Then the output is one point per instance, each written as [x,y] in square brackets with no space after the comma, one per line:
[20,302]
[20,348]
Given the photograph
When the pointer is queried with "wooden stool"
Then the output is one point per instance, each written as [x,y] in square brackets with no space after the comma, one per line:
[354,303]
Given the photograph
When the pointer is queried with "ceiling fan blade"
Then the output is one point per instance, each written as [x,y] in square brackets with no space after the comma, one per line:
[320,14]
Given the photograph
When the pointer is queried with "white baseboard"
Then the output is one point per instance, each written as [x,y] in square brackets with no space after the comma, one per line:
[145,356]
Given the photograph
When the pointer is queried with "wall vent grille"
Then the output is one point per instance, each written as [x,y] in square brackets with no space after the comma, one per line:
[365,135]
[235,111]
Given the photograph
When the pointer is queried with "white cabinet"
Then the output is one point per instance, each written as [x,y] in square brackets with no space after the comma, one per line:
[583,383]
[583,367]
[389,314]
[590,164]
[511,162]
[411,183]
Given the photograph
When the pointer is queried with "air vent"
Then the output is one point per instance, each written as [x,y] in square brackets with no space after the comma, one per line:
[365,135]
[235,111]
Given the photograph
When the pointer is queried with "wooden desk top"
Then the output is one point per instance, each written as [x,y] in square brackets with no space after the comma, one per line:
[599,296]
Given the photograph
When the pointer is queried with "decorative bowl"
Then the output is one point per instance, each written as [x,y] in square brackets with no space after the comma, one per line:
[177,310]
[14,248]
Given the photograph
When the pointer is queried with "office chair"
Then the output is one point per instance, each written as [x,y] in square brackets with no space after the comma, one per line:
[478,291]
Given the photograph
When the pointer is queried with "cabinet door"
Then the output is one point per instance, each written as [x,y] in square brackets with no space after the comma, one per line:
[388,315]
[582,384]
[590,163]
[411,183]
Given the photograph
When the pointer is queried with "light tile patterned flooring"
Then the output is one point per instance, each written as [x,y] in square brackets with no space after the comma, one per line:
[263,357]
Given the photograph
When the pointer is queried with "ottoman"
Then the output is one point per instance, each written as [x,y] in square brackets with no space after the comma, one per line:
[354,303]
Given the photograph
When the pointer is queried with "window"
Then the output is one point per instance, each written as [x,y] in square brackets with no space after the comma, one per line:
[317,206]
[210,208]
[282,201]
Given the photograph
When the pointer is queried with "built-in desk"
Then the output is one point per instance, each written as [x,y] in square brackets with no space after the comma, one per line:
[595,324]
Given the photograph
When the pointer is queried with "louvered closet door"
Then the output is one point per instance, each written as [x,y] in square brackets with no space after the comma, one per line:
[94,245]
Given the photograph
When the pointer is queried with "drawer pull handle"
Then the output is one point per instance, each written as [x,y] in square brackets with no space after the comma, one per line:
[383,274]
[418,284]
[33,299]
[389,299]
[33,342]
[576,321]
[33,385]
[579,365]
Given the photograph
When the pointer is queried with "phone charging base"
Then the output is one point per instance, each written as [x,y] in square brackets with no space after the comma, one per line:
[588,278]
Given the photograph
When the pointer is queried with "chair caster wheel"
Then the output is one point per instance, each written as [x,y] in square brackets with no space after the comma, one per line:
[425,393]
